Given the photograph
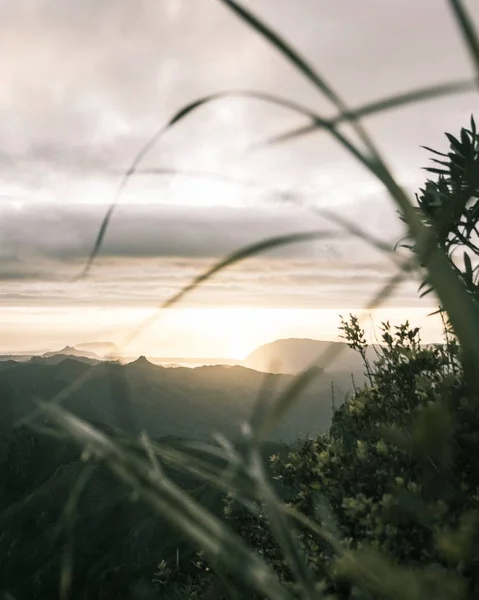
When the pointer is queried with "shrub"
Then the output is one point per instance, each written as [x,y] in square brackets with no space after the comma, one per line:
[397,479]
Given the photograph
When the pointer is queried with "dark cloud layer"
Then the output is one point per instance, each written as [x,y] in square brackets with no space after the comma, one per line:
[151,251]
[66,232]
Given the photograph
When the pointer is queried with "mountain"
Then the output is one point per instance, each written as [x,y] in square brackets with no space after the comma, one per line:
[182,402]
[293,355]
[16,357]
[71,351]
[38,472]
[7,364]
[56,359]
[99,348]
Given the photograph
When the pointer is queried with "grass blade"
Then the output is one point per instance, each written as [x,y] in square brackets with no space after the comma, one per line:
[284,48]
[377,107]
[177,117]
[217,477]
[301,65]
[69,517]
[468,31]
[204,530]
[220,178]
[235,257]
[281,528]
[335,218]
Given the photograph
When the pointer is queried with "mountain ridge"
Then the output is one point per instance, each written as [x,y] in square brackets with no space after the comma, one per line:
[293,355]
[163,401]
[71,351]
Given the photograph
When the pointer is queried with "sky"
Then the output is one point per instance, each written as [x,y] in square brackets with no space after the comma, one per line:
[86,84]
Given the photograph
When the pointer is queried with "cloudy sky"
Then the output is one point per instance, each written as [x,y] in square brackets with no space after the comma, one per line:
[86,84]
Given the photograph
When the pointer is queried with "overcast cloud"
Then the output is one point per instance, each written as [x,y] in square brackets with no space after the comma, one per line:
[85,84]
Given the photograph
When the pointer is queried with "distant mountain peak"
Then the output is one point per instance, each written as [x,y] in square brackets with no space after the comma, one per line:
[293,355]
[71,351]
[141,361]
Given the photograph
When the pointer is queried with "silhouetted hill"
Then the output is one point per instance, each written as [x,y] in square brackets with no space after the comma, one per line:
[8,364]
[191,403]
[37,476]
[294,355]
[38,472]
[71,351]
[56,359]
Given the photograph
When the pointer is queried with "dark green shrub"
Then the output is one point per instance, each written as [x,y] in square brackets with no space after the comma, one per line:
[398,475]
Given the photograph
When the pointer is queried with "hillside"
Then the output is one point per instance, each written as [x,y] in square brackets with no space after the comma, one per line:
[111,533]
[116,542]
[57,358]
[182,402]
[293,355]
[71,351]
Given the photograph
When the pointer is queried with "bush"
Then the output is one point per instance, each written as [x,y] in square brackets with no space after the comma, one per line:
[397,478]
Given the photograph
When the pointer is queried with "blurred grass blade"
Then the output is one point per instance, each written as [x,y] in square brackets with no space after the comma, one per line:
[290,53]
[217,476]
[264,398]
[69,518]
[468,31]
[253,485]
[218,177]
[377,107]
[219,543]
[344,223]
[177,117]
[300,63]
[282,530]
[235,257]
[358,232]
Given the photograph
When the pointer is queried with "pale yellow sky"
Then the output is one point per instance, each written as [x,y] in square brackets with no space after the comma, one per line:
[85,84]
[231,332]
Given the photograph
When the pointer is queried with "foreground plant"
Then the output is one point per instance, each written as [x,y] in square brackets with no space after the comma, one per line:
[396,481]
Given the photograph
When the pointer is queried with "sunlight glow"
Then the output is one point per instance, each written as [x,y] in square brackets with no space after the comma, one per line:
[191,332]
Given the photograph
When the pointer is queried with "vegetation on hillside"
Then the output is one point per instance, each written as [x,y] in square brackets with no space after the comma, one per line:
[162,401]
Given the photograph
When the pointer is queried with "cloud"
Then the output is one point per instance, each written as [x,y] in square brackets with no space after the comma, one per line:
[85,85]
[67,232]
[151,251]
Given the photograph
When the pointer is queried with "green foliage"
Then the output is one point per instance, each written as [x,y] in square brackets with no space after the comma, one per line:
[397,480]
[449,204]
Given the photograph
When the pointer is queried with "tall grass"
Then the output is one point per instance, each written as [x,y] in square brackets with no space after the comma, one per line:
[246,475]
